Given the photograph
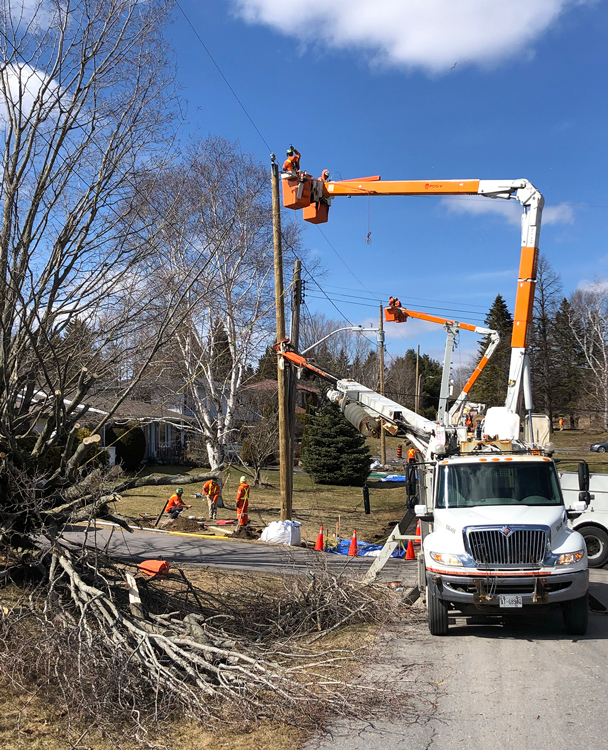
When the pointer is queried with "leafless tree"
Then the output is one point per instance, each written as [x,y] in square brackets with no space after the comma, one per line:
[86,112]
[224,213]
[260,433]
[545,358]
[346,352]
[589,324]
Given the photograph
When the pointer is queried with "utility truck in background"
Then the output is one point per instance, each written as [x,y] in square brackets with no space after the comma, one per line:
[496,537]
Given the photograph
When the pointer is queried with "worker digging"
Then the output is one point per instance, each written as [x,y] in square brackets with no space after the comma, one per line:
[211,490]
[176,504]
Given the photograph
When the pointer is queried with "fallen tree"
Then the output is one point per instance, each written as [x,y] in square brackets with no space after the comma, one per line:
[127,653]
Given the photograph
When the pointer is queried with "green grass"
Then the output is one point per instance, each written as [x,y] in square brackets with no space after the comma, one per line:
[313,505]
[572,446]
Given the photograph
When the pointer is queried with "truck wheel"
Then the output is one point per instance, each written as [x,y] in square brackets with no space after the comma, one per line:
[437,613]
[576,613]
[597,545]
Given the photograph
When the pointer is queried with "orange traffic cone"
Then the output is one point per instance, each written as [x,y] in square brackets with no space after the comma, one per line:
[409,555]
[418,534]
[320,543]
[352,550]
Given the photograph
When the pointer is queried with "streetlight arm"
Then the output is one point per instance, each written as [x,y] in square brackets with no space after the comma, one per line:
[359,329]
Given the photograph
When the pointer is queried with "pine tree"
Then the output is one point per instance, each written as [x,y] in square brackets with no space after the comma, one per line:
[491,388]
[223,364]
[429,371]
[267,365]
[333,451]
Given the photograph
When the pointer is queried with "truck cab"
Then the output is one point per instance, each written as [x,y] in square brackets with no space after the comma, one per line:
[500,543]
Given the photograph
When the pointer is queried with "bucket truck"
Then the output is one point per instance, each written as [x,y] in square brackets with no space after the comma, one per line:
[496,538]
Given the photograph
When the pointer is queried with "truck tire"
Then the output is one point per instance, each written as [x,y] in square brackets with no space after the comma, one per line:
[576,614]
[596,540]
[437,612]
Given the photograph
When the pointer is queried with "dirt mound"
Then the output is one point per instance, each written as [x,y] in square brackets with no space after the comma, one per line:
[180,524]
[246,532]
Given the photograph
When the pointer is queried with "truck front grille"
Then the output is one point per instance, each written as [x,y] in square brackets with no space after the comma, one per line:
[515,548]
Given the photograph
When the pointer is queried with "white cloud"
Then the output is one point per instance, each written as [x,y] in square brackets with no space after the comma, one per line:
[24,89]
[598,286]
[510,210]
[428,34]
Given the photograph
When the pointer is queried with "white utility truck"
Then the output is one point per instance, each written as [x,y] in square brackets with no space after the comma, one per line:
[496,538]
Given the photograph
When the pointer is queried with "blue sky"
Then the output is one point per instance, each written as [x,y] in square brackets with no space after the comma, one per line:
[362,93]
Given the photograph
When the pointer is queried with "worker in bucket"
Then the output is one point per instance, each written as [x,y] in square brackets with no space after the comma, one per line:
[242,502]
[211,490]
[292,163]
[176,504]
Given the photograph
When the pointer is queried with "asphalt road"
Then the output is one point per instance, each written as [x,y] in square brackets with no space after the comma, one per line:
[228,554]
[483,687]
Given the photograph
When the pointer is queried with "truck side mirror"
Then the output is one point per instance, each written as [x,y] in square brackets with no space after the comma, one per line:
[578,507]
[583,476]
[584,498]
[422,513]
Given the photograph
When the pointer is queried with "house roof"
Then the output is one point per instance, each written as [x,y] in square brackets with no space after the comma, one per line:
[269,386]
[131,409]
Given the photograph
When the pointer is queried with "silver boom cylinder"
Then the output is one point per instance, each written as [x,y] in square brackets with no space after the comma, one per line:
[356,415]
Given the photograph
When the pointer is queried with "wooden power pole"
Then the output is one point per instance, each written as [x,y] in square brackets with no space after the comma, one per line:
[381,358]
[417,396]
[286,464]
[294,335]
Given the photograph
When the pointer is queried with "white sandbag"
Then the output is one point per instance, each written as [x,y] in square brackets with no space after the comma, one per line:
[282,532]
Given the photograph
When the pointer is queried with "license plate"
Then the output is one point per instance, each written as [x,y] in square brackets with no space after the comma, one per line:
[510,600]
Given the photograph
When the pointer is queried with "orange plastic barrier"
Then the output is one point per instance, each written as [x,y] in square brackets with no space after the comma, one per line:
[154,567]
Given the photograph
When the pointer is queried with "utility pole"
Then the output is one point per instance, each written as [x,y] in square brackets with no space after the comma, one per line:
[417,396]
[284,443]
[381,359]
[296,301]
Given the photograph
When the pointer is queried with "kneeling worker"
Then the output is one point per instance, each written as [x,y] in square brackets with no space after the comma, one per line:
[176,504]
[242,502]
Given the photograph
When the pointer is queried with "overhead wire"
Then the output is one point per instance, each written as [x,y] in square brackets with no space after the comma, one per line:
[221,72]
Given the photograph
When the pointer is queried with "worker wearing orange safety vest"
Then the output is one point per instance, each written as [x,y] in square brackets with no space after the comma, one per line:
[411,456]
[242,502]
[292,163]
[211,490]
[175,505]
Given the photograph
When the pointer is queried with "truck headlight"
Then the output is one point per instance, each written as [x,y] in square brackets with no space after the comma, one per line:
[443,557]
[570,557]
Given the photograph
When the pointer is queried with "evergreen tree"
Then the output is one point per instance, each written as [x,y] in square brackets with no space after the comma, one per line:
[491,388]
[222,364]
[569,366]
[429,371]
[267,365]
[333,452]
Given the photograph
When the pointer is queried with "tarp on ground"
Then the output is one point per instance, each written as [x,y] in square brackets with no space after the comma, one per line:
[380,476]
[364,549]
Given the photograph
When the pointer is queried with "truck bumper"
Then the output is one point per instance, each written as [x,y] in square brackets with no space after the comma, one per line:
[482,592]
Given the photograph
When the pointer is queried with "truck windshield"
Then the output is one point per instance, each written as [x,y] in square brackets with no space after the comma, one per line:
[519,483]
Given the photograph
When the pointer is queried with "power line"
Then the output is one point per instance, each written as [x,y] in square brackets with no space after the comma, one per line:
[421,299]
[362,300]
[219,70]
[350,270]
[375,306]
